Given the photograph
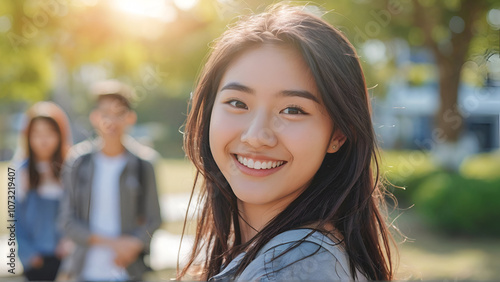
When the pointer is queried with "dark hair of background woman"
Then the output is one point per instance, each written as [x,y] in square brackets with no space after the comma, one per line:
[55,116]
[345,192]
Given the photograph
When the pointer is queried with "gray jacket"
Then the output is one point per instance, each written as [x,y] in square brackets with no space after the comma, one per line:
[140,209]
[316,258]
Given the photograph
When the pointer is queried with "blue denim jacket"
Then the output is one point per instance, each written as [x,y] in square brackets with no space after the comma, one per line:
[36,214]
[316,258]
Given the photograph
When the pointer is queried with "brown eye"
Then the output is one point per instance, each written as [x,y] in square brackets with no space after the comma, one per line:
[293,111]
[237,104]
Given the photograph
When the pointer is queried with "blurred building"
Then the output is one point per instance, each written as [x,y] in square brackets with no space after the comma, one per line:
[405,117]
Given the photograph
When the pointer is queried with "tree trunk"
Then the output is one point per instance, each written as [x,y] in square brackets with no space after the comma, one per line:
[449,119]
[449,149]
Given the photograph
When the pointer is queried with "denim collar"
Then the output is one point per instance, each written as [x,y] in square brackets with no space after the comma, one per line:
[295,235]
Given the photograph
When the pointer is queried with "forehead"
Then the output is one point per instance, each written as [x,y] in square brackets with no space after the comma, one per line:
[106,103]
[43,124]
[270,67]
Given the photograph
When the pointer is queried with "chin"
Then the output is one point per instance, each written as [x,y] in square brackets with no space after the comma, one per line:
[254,196]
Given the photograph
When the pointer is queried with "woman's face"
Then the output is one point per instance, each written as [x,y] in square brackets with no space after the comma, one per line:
[44,139]
[269,131]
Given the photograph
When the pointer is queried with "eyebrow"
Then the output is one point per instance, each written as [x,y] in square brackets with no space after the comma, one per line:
[238,87]
[287,93]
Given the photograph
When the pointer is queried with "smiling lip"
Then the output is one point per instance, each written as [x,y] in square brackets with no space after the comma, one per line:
[257,167]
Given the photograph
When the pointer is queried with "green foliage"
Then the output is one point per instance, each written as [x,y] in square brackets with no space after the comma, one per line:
[459,205]
[464,203]
[405,188]
[25,77]
[25,73]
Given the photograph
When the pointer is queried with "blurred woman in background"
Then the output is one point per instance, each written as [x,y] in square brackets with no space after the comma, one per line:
[45,140]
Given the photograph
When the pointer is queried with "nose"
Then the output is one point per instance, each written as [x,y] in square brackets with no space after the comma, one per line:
[258,133]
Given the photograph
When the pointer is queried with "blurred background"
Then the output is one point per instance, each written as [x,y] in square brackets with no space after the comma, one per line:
[432,68]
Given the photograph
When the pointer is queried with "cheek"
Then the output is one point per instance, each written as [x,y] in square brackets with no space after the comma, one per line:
[98,123]
[224,128]
[308,138]
[52,142]
[35,143]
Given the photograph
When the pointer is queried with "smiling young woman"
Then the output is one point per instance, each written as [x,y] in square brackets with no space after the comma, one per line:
[281,133]
[261,88]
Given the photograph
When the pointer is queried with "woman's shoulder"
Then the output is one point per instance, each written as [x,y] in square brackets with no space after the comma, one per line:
[21,179]
[301,254]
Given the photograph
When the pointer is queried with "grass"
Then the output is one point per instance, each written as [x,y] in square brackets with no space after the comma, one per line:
[428,255]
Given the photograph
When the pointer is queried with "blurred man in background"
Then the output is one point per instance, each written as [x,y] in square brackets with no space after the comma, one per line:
[111,207]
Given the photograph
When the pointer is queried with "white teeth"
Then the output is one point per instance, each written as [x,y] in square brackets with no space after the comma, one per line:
[264,165]
[258,164]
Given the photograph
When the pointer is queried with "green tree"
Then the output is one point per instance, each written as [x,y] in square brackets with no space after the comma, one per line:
[453,31]
[448,30]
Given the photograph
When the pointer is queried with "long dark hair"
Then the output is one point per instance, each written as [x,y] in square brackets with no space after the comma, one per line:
[344,193]
[53,115]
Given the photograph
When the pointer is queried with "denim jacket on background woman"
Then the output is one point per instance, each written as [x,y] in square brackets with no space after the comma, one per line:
[36,215]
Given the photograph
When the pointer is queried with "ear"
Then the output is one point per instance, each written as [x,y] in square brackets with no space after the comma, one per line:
[131,118]
[337,141]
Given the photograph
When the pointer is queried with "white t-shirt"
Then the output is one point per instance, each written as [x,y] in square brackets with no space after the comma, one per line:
[105,219]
